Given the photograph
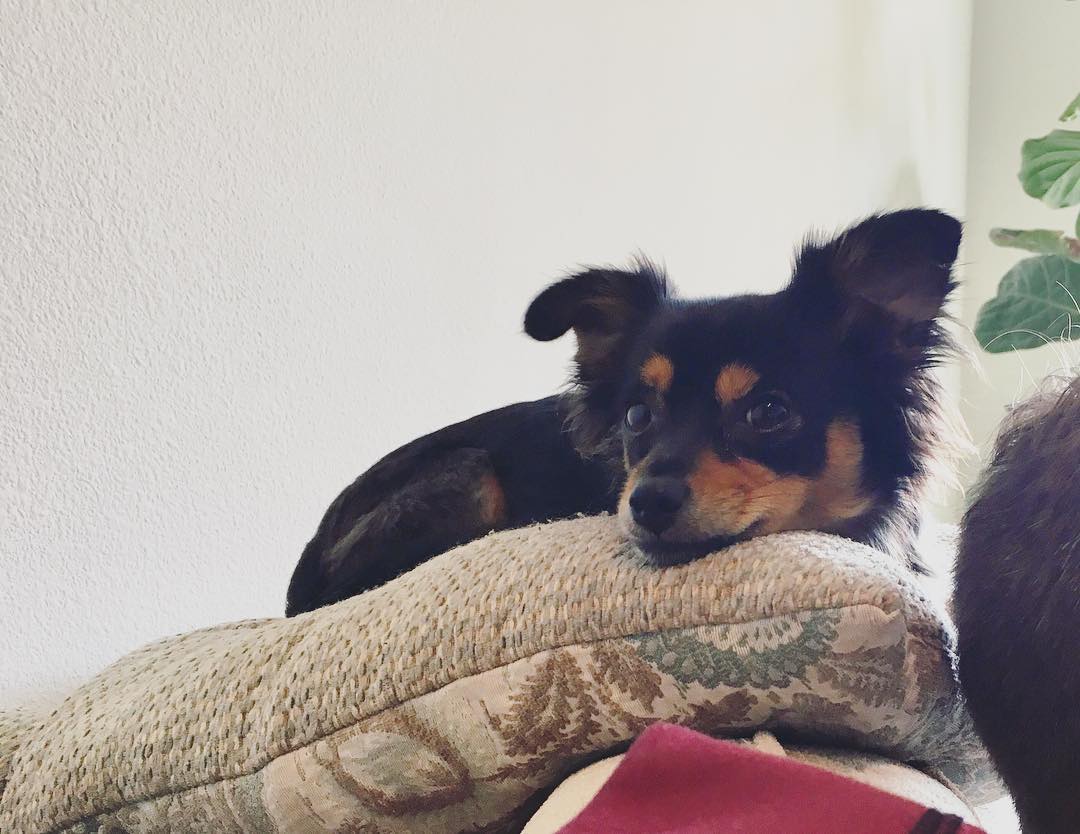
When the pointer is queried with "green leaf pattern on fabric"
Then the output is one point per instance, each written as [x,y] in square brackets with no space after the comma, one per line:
[772,654]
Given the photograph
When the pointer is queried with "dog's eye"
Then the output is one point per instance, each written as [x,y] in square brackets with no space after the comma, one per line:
[768,415]
[638,417]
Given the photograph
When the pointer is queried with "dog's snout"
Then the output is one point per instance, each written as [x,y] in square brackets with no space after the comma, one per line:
[666,467]
[655,502]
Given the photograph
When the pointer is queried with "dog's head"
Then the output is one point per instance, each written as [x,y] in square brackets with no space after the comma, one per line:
[804,409]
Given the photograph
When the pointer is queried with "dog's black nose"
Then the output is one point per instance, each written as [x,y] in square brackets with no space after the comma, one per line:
[655,502]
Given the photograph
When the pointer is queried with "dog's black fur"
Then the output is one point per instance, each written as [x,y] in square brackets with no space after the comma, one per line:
[1017,608]
[699,422]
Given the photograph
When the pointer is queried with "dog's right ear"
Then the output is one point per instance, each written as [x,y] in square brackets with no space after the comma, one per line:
[884,280]
[604,307]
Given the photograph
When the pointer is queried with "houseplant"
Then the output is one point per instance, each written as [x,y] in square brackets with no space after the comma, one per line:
[1037,300]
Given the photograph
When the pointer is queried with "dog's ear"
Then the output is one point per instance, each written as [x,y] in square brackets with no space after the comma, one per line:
[891,273]
[605,308]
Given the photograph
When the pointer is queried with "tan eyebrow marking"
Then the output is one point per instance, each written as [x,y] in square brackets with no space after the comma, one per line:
[657,372]
[735,381]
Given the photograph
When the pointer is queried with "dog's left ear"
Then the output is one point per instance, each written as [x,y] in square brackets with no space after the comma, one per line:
[891,271]
[604,307]
[607,309]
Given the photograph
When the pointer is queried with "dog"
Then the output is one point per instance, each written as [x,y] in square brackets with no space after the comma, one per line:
[699,422]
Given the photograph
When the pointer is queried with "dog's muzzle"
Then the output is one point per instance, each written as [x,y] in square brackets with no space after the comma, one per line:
[655,503]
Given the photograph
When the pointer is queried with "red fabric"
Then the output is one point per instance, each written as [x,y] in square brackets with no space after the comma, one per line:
[676,781]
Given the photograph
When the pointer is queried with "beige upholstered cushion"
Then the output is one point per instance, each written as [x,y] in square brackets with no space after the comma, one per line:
[446,700]
[15,724]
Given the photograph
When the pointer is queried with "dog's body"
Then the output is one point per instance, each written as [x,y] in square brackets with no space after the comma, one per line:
[505,468]
[700,422]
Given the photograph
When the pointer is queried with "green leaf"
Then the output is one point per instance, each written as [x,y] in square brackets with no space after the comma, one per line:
[1034,304]
[1050,168]
[1072,111]
[1043,241]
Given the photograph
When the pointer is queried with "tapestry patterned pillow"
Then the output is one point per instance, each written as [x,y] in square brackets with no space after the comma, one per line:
[451,698]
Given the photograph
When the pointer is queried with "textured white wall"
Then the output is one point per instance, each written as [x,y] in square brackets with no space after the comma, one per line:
[247,248]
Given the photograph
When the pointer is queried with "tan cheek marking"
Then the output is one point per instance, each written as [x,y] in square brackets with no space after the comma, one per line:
[657,372]
[839,490]
[631,482]
[491,500]
[775,505]
[729,497]
[735,381]
[837,495]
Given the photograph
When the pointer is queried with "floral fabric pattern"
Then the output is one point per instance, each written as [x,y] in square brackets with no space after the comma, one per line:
[463,734]
[470,756]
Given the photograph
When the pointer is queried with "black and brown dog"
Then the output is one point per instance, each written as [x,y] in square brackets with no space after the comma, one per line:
[701,422]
